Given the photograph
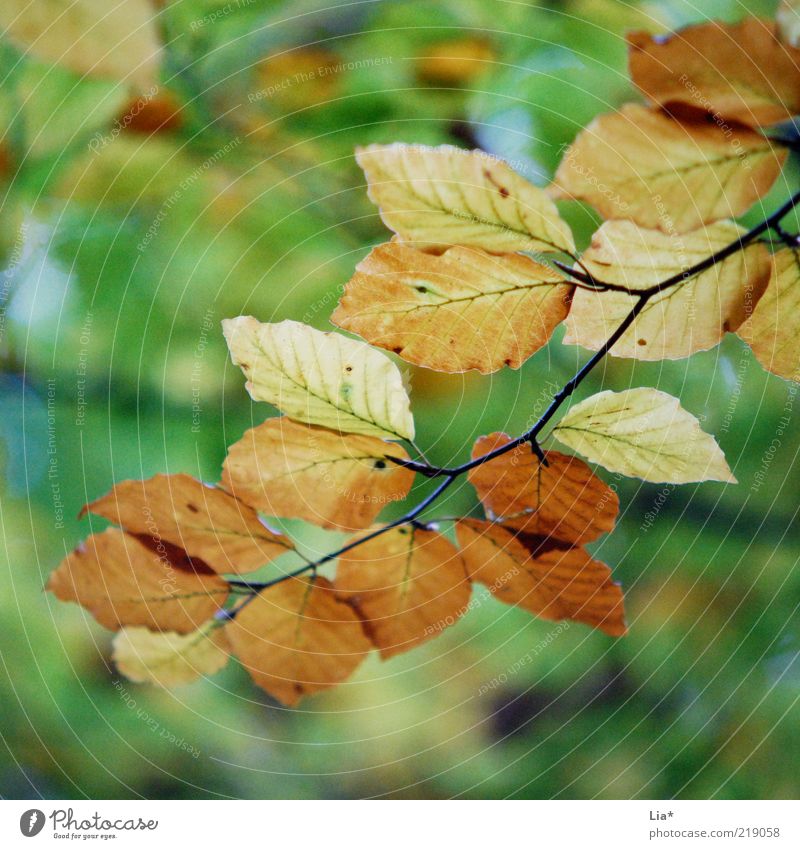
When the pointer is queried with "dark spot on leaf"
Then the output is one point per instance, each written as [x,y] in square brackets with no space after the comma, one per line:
[507,361]
[641,341]
[422,289]
[397,349]
[348,368]
[192,508]
[380,464]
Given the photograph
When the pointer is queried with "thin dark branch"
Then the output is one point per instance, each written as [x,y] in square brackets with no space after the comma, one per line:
[531,435]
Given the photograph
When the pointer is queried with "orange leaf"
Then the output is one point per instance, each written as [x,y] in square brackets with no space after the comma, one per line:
[564,499]
[640,164]
[741,72]
[466,309]
[408,585]
[207,522]
[122,581]
[552,583]
[341,481]
[297,638]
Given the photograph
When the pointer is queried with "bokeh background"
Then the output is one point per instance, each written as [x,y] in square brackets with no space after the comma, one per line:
[234,190]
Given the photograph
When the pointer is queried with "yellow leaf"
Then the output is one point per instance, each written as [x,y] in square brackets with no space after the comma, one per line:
[296,639]
[465,309]
[408,585]
[773,330]
[455,62]
[442,196]
[787,17]
[117,40]
[548,581]
[740,72]
[167,658]
[692,315]
[122,581]
[642,165]
[321,378]
[562,500]
[206,522]
[643,433]
[294,470]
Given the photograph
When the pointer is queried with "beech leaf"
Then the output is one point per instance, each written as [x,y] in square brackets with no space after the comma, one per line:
[643,433]
[773,329]
[340,481]
[297,638]
[693,315]
[408,585]
[551,582]
[737,72]
[443,196]
[167,658]
[122,581]
[563,500]
[465,309]
[642,165]
[321,378]
[208,523]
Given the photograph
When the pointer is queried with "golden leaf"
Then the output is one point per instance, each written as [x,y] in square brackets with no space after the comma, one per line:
[321,378]
[339,481]
[167,658]
[692,315]
[465,309]
[122,581]
[642,165]
[408,585]
[206,522]
[296,639]
[442,196]
[562,500]
[773,329]
[643,433]
[550,582]
[740,72]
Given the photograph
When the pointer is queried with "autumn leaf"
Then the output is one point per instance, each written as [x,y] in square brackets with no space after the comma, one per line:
[562,500]
[117,41]
[455,62]
[122,581]
[167,658]
[465,309]
[321,378]
[642,165]
[551,582]
[739,72]
[773,329]
[297,638]
[339,481]
[643,433]
[208,523]
[692,315]
[408,585]
[442,196]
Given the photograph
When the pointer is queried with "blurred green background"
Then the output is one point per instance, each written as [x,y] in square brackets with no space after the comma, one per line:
[113,367]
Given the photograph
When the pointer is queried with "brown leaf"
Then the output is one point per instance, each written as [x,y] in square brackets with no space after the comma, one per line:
[694,315]
[563,500]
[207,522]
[122,582]
[341,481]
[465,309]
[550,582]
[408,585]
[297,638]
[773,329]
[740,71]
[642,165]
